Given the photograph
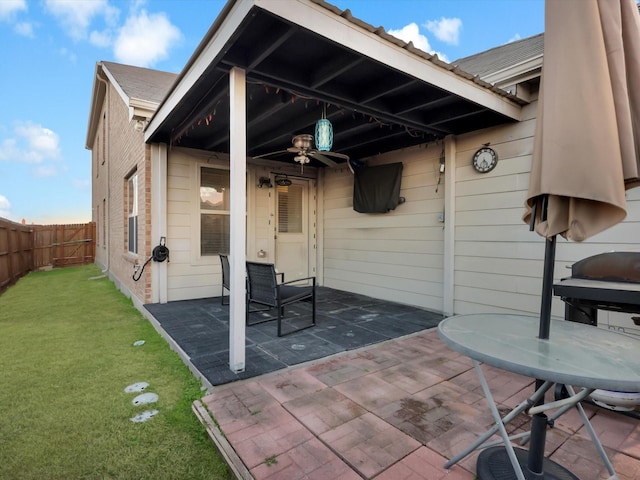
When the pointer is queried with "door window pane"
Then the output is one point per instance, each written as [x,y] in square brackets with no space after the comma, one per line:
[290,209]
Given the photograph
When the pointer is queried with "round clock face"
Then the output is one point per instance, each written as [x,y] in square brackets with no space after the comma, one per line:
[485,160]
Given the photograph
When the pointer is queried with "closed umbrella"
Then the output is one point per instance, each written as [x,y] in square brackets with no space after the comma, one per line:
[587,143]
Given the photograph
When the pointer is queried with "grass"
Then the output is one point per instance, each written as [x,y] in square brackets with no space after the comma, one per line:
[66,356]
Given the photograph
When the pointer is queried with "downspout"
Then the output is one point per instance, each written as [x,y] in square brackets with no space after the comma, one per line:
[107,214]
[159,282]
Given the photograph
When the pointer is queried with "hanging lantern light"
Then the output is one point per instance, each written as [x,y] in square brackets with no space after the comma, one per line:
[324,132]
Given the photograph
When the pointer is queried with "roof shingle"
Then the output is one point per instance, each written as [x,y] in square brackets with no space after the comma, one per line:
[142,83]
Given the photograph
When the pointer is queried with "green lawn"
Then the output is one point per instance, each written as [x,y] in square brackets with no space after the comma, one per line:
[66,356]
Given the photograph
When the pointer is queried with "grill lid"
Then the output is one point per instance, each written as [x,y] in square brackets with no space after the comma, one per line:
[610,266]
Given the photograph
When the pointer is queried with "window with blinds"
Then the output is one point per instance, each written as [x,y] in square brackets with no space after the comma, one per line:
[132,213]
[215,211]
[290,209]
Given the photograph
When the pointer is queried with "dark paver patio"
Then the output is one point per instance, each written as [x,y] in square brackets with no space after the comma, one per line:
[344,321]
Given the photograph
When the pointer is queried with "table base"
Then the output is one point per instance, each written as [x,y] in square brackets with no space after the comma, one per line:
[514,469]
[494,464]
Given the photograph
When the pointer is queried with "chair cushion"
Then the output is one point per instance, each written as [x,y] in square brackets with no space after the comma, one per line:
[290,293]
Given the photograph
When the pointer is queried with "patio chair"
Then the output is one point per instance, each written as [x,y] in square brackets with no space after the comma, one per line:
[263,289]
[226,272]
[224,260]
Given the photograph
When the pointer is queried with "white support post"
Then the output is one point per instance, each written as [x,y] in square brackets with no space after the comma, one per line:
[159,218]
[238,160]
[449,224]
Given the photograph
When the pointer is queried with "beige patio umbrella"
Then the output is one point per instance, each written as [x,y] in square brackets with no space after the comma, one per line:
[587,143]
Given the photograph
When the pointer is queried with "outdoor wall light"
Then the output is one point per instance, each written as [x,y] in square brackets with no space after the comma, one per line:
[283,181]
[264,182]
[324,132]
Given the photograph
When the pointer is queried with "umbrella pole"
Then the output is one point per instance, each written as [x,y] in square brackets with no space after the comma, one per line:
[535,459]
[494,463]
[547,287]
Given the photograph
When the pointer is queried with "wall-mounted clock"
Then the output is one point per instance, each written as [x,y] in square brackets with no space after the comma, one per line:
[485,160]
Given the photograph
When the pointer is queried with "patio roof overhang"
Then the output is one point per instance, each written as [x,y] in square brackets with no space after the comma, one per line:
[381,94]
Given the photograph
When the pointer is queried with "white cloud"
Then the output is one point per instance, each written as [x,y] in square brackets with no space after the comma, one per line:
[100,39]
[145,39]
[66,53]
[81,183]
[76,17]
[441,56]
[446,30]
[515,38]
[5,207]
[30,143]
[45,171]
[411,33]
[24,28]
[8,8]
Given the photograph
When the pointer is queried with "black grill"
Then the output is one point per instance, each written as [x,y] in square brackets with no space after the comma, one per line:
[608,281]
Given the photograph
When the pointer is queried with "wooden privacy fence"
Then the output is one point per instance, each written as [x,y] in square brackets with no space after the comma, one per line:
[24,248]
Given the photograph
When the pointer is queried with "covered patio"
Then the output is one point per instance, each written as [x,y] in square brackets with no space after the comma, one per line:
[264,75]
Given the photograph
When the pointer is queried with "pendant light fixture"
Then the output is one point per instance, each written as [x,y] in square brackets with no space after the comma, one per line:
[324,132]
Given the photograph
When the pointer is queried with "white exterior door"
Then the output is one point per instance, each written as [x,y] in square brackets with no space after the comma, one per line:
[294,230]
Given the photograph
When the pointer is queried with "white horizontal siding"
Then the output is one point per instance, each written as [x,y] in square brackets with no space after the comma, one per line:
[395,256]
[498,261]
[191,275]
[188,277]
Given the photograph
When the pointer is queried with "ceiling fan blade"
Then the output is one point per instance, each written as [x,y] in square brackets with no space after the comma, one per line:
[270,154]
[318,156]
[341,156]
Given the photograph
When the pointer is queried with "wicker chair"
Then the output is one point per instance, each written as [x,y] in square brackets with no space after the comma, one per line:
[263,289]
[224,260]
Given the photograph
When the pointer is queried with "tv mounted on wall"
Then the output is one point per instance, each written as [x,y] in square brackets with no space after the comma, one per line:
[377,189]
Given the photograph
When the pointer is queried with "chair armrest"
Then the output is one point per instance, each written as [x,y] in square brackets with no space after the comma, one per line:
[300,280]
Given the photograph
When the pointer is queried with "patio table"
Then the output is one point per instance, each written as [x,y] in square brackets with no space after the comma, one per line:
[576,355]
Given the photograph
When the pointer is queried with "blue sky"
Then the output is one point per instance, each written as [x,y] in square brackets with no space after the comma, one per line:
[49,48]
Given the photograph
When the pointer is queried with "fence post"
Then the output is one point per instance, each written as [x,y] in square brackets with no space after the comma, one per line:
[12,274]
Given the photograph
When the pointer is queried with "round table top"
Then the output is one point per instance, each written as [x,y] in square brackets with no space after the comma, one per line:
[575,354]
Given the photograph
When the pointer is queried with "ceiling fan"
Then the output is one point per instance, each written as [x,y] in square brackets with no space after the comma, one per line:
[303,148]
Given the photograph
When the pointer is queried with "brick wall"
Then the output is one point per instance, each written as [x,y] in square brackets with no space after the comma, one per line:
[125,153]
